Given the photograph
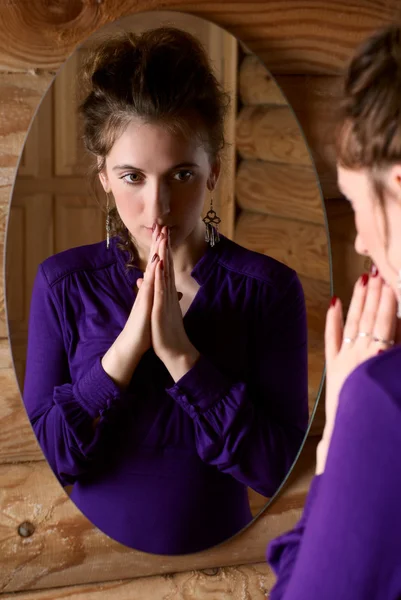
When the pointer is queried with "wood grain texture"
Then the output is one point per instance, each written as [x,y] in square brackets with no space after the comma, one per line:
[19,97]
[300,245]
[225,583]
[289,191]
[272,134]
[65,548]
[314,101]
[291,36]
[256,85]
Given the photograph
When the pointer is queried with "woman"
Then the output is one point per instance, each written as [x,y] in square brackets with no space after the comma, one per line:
[157,363]
[347,544]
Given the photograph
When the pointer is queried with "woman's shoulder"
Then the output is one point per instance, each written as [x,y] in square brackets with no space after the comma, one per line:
[238,259]
[89,257]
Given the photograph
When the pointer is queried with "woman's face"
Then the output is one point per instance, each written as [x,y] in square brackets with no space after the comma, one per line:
[159,177]
[384,247]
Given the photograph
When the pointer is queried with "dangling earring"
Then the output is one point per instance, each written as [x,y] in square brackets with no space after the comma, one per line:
[399,294]
[108,225]
[212,233]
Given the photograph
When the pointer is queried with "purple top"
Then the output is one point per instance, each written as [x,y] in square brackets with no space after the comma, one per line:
[347,544]
[167,468]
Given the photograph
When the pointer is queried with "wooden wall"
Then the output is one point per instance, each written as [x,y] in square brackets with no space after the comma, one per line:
[47,548]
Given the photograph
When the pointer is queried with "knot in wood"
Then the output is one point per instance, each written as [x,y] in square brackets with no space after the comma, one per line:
[26,529]
[210,572]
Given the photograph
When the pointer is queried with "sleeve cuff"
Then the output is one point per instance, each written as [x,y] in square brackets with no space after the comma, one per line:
[201,387]
[96,391]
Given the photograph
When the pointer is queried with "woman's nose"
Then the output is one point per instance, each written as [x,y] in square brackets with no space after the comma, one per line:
[157,202]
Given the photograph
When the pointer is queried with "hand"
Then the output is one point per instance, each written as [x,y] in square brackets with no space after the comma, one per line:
[169,339]
[138,326]
[372,311]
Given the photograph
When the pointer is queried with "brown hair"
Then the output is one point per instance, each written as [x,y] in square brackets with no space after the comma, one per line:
[369,119]
[162,76]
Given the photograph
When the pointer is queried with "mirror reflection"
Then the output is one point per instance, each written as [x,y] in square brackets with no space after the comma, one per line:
[164,365]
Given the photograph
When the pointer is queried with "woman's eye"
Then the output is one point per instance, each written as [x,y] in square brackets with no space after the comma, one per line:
[135,178]
[183,175]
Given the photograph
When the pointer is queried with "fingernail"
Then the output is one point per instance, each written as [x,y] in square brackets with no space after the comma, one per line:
[364,279]
[374,271]
[333,301]
[380,351]
[161,265]
[154,257]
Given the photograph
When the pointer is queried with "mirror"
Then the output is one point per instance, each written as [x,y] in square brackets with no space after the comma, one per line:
[174,449]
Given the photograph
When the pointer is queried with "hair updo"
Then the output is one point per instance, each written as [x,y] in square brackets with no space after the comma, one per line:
[369,120]
[162,76]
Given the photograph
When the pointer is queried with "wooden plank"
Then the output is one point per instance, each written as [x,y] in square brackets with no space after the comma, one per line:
[17,439]
[272,134]
[227,583]
[290,191]
[256,85]
[314,100]
[65,549]
[300,245]
[20,96]
[291,37]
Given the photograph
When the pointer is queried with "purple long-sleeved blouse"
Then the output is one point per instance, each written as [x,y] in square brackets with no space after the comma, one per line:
[167,468]
[347,545]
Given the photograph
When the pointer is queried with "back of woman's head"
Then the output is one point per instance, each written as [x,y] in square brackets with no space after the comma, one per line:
[369,131]
[161,76]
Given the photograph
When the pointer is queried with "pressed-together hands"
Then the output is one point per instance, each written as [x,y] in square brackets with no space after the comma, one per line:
[371,327]
[157,303]
[155,320]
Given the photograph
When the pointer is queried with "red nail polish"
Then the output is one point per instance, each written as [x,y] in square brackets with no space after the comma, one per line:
[161,265]
[154,257]
[364,279]
[380,351]
[333,301]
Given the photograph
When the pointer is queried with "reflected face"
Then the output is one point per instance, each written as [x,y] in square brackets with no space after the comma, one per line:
[372,239]
[158,176]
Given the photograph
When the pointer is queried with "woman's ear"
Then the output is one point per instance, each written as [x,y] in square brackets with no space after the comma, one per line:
[393,180]
[103,177]
[214,174]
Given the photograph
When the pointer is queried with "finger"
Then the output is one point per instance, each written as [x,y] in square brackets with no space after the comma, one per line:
[163,251]
[153,248]
[159,285]
[334,329]
[149,279]
[139,282]
[370,308]
[170,264]
[351,327]
[386,318]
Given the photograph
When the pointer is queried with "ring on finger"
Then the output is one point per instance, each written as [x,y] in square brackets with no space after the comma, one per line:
[348,340]
[364,334]
[383,341]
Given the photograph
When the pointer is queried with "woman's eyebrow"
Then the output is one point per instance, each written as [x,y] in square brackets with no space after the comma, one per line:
[179,166]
